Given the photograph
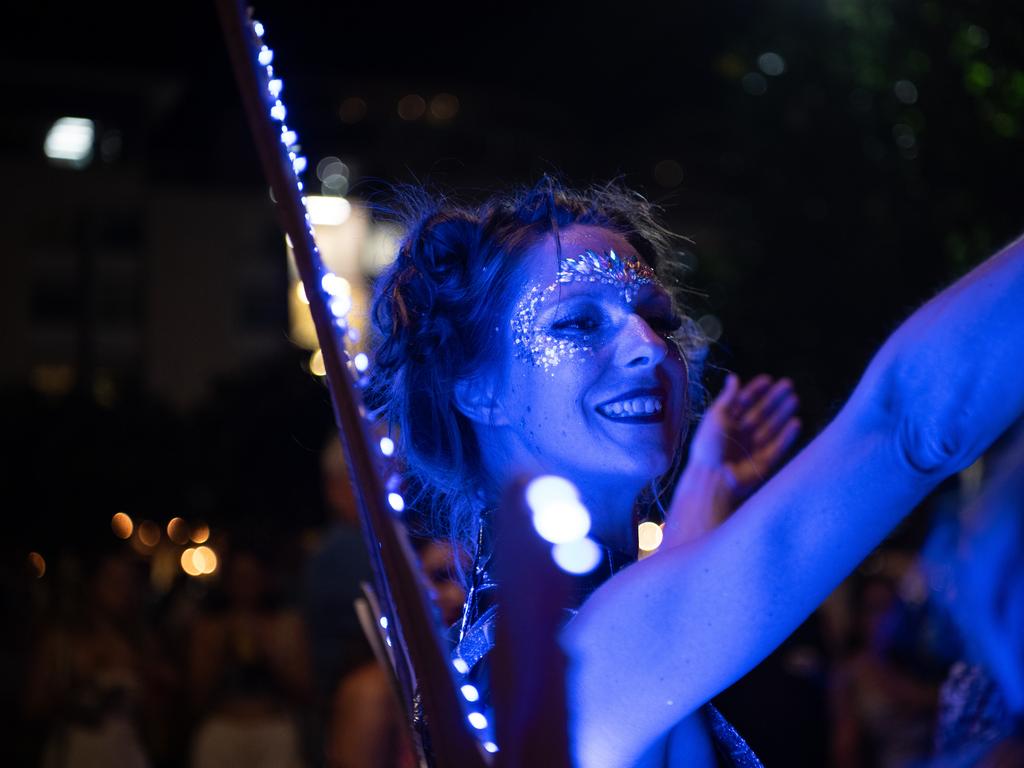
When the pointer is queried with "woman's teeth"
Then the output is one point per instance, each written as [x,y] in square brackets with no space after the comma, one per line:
[635,406]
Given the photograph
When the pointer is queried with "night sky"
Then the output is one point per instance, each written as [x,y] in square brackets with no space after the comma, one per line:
[835,162]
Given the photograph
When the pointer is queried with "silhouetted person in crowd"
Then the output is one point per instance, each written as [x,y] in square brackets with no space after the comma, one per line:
[248,673]
[93,675]
[882,712]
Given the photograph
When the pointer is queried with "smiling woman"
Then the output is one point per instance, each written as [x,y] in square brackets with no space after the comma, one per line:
[497,331]
[537,334]
[590,362]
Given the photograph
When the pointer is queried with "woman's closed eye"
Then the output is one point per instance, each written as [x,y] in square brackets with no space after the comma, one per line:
[585,322]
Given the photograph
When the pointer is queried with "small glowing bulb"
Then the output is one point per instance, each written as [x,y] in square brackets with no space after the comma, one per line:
[649,535]
[470,693]
[387,446]
[288,137]
[490,746]
[275,86]
[361,362]
[278,111]
[340,305]
[257,28]
[299,164]
[460,666]
[335,286]
[265,56]
[477,720]
[383,622]
[396,501]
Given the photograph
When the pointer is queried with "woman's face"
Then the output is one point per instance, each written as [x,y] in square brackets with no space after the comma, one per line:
[594,388]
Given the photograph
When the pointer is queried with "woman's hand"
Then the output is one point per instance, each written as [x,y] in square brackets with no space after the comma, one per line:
[746,431]
[743,436]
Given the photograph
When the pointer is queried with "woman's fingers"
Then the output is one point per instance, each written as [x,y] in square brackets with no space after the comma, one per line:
[776,419]
[776,448]
[749,395]
[768,402]
[726,399]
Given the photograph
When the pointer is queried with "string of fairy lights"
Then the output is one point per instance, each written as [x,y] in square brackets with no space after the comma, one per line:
[558,513]
[338,295]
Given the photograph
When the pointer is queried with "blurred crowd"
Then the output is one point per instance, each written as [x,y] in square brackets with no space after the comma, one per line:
[916,660]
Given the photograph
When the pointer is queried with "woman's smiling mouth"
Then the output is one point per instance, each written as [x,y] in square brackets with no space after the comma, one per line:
[637,406]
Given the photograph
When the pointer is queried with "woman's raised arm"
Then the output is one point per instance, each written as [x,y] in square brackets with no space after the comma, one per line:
[665,635]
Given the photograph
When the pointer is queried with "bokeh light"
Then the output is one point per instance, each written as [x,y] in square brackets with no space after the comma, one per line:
[444,106]
[649,536]
[352,110]
[122,525]
[328,211]
[411,107]
[149,533]
[558,514]
[200,533]
[668,173]
[177,530]
[37,564]
[199,561]
[578,557]
[69,142]
[316,363]
[187,564]
[754,83]
[204,559]
[771,63]
[711,327]
[905,91]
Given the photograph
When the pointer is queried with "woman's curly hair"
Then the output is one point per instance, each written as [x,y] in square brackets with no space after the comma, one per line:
[439,310]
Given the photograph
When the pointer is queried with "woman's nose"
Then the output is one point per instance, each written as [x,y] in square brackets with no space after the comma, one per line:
[639,345]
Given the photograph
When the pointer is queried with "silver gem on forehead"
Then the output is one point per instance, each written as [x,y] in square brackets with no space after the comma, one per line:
[627,273]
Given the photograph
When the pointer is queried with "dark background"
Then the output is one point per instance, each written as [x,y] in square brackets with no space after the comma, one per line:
[825,201]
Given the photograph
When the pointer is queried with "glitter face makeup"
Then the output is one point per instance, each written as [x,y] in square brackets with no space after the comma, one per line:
[628,273]
[591,384]
[546,351]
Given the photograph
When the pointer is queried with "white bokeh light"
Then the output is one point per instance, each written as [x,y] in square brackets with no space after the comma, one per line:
[578,557]
[558,514]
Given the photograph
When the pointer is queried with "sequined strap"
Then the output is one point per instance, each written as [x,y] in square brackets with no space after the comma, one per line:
[478,640]
[729,744]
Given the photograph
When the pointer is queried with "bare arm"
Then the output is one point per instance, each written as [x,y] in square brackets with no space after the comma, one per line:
[664,636]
